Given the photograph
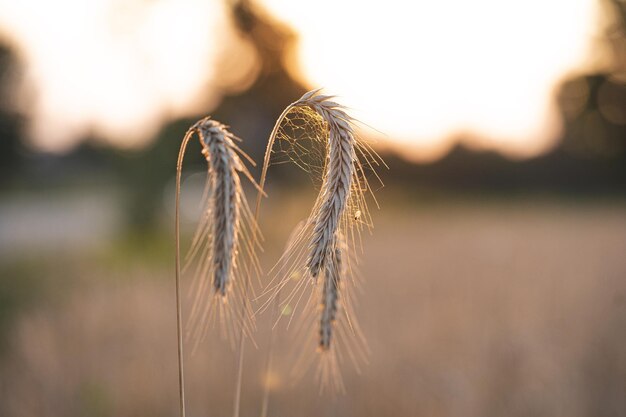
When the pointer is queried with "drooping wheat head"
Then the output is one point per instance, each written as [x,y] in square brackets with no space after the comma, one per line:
[337,181]
[323,251]
[222,252]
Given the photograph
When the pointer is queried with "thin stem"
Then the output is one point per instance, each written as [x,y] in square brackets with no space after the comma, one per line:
[260,194]
[242,339]
[179,314]
[266,160]
[239,373]
[269,360]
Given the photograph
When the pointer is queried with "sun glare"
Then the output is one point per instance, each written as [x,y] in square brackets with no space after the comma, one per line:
[427,73]
[117,68]
[424,73]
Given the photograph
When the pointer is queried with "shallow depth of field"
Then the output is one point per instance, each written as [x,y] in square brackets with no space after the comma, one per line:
[490,285]
[469,307]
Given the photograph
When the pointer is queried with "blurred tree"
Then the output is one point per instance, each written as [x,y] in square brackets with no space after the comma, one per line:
[615,36]
[146,173]
[10,121]
[596,127]
[252,113]
[594,105]
[591,156]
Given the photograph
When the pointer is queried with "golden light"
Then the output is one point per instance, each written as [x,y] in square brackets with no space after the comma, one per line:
[119,67]
[426,73]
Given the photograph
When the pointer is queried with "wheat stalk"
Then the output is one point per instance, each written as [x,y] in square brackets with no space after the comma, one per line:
[225,241]
[325,244]
[223,246]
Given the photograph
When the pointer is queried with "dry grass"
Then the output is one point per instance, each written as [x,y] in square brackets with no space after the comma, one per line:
[470,309]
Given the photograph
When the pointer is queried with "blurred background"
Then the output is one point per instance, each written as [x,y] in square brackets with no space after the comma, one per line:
[494,282]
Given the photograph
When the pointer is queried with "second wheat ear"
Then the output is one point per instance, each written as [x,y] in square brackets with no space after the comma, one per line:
[322,253]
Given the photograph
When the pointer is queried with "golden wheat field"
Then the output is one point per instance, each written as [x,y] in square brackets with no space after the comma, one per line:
[482,307]
[272,208]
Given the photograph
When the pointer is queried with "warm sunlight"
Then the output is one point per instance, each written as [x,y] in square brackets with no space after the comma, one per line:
[119,68]
[424,72]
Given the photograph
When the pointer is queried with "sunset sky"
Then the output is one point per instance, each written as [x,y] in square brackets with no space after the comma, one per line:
[421,74]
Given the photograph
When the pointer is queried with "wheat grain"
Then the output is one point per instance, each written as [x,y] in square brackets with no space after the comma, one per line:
[330,296]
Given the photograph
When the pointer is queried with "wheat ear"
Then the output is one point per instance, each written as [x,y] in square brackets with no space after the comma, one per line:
[330,297]
[324,247]
[337,180]
[223,248]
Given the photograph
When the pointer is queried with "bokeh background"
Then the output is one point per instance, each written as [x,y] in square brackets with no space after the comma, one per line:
[494,283]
